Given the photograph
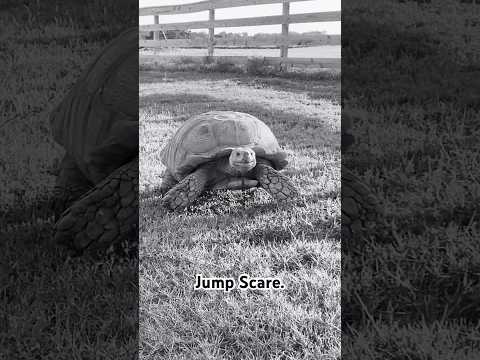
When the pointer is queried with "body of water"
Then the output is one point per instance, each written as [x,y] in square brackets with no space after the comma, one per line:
[324,51]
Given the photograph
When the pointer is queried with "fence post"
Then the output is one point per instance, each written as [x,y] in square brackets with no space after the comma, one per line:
[284,47]
[211,32]
[156,34]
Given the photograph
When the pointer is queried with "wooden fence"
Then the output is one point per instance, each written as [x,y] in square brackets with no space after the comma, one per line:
[159,40]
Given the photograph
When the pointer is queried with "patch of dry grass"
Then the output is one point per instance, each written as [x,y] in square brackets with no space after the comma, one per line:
[229,233]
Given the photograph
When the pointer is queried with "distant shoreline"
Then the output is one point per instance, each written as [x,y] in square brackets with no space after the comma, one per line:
[319,51]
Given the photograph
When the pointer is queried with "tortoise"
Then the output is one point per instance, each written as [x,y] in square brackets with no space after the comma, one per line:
[96,191]
[223,150]
[360,208]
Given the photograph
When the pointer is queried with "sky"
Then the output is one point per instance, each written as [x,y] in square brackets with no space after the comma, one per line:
[252,11]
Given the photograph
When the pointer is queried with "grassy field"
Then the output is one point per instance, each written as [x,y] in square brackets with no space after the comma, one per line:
[229,233]
[51,306]
[415,293]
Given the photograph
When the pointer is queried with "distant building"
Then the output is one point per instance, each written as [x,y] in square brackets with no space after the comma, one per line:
[177,34]
[168,34]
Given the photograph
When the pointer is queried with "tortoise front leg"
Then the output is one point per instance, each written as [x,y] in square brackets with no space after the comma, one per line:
[70,185]
[360,208]
[168,182]
[106,215]
[187,190]
[277,184]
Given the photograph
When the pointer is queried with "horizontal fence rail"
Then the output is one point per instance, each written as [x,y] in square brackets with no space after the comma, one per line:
[264,20]
[205,6]
[160,39]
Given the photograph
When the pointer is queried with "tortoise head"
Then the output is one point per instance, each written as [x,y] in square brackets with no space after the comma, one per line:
[242,159]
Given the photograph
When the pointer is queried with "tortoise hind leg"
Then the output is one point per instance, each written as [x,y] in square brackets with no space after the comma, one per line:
[277,184]
[70,185]
[106,215]
[187,190]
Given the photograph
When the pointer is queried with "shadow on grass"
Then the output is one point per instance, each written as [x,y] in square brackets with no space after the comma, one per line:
[173,99]
[316,89]
[155,76]
[288,126]
[39,209]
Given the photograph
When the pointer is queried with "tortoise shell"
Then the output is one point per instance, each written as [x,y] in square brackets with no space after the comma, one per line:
[97,122]
[214,134]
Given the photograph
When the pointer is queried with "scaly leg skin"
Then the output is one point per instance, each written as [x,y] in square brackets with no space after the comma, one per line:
[71,184]
[168,182]
[359,206]
[105,216]
[278,185]
[187,190]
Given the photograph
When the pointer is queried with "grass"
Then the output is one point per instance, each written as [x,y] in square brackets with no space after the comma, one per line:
[413,293]
[222,65]
[51,306]
[230,233]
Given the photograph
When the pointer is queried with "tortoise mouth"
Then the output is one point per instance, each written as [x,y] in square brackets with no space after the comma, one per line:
[243,165]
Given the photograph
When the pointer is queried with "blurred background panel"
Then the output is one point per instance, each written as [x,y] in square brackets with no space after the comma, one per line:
[53,306]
